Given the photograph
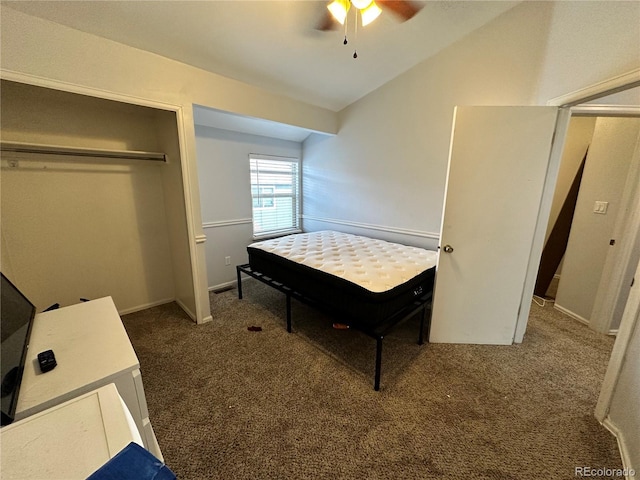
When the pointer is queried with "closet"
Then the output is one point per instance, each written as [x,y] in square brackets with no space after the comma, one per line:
[92,200]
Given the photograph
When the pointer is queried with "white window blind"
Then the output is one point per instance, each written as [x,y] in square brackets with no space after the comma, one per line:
[275,192]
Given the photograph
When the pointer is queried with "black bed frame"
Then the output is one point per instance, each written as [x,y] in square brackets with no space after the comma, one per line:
[377,332]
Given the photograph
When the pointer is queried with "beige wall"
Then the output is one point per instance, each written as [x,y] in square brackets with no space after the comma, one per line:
[225,189]
[387,166]
[604,179]
[388,163]
[390,169]
[174,206]
[389,160]
[586,43]
[34,46]
[81,228]
[576,145]
[41,52]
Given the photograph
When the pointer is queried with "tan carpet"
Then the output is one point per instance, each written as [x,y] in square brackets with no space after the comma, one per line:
[228,403]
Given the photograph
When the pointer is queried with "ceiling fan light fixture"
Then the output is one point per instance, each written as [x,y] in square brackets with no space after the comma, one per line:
[361,4]
[339,9]
[370,13]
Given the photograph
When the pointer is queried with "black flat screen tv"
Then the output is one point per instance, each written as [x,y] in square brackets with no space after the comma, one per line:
[17,314]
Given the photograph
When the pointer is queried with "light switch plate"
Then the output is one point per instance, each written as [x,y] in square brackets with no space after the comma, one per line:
[600,207]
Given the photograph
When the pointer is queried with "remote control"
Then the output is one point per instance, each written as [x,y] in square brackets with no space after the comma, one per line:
[47,361]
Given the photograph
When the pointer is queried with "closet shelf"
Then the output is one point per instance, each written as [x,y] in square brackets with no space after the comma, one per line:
[35,148]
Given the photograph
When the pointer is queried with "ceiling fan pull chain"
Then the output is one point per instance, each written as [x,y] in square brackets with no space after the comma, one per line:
[355,49]
[346,22]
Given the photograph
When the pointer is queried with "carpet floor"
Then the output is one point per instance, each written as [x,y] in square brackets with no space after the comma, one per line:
[229,403]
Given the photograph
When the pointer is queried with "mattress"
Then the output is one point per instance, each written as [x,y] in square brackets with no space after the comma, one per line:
[366,280]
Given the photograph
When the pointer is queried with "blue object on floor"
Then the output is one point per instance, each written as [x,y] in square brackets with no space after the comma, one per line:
[133,463]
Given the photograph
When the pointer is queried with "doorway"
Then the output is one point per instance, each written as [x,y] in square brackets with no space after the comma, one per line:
[597,180]
[608,98]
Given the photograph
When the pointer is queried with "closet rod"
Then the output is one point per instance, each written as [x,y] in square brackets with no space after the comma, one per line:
[33,148]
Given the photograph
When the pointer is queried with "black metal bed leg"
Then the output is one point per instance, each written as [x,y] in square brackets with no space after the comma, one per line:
[289,312]
[421,334]
[376,385]
[239,282]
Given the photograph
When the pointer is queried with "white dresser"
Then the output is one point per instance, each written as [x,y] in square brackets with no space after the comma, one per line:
[69,441]
[92,350]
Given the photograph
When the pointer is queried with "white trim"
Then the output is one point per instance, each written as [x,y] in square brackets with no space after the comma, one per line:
[622,446]
[191,314]
[602,89]
[184,161]
[370,226]
[613,332]
[39,81]
[145,306]
[224,285]
[233,283]
[573,315]
[258,165]
[228,223]
[563,116]
[623,339]
[599,90]
[198,268]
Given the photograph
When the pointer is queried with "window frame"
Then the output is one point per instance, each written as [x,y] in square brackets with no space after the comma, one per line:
[295,195]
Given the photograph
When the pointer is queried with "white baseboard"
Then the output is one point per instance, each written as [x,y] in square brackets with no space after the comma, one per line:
[163,302]
[222,286]
[573,315]
[622,446]
[145,306]
[192,315]
[233,283]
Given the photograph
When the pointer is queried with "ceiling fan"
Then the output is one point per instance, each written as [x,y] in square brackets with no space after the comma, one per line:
[368,10]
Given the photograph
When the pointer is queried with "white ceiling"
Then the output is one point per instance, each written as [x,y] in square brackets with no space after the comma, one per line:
[273,44]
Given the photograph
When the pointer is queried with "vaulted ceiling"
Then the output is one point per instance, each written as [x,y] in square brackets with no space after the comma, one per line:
[275,44]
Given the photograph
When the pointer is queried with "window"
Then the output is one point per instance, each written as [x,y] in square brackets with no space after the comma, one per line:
[275,191]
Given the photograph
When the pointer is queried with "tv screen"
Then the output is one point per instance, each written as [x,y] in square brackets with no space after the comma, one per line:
[17,314]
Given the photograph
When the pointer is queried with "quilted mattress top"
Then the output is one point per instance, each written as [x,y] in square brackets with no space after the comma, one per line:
[375,265]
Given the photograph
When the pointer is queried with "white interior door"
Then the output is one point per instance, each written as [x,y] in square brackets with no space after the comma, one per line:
[498,164]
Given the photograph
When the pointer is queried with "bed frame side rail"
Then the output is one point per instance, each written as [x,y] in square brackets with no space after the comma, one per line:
[420,305]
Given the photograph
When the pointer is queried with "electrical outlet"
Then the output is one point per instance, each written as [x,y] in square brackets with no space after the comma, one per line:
[227,260]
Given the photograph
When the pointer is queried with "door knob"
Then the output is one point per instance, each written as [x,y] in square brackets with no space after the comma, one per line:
[447,249]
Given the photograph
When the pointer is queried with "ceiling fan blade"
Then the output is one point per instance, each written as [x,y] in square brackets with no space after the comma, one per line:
[403,8]
[327,22]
